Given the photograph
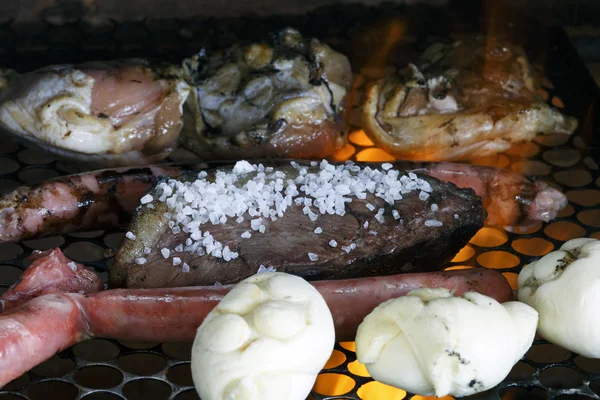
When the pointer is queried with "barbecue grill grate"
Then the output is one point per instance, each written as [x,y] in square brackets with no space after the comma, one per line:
[109,369]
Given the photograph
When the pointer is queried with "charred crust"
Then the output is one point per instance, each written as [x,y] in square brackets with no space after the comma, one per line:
[103,116]
[454,353]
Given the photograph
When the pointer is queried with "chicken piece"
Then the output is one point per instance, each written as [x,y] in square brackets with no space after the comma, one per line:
[470,99]
[115,113]
[284,98]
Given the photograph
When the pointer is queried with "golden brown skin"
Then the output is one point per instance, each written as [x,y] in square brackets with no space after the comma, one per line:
[470,99]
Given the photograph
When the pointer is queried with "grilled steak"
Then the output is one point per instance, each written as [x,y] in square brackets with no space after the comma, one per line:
[318,221]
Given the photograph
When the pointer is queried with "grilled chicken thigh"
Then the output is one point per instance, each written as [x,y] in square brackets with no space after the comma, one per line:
[470,99]
[282,98]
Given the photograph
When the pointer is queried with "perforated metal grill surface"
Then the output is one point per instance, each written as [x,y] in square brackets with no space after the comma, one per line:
[108,369]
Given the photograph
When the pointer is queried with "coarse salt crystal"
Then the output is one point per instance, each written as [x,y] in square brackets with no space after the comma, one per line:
[318,230]
[185,268]
[130,236]
[243,167]
[379,216]
[455,216]
[434,207]
[423,195]
[262,269]
[333,243]
[147,250]
[176,260]
[179,248]
[73,266]
[370,206]
[386,166]
[395,214]
[366,224]
[246,235]
[433,222]
[146,199]
[140,260]
[372,233]
[313,256]
[165,252]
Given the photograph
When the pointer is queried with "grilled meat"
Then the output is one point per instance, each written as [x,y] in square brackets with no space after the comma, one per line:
[194,231]
[470,99]
[281,98]
[113,113]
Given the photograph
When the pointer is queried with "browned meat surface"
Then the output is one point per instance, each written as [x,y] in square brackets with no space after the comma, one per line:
[280,98]
[89,201]
[423,235]
[470,99]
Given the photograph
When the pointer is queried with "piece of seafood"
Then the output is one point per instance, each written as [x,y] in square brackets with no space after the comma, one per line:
[470,99]
[108,113]
[283,98]
[44,326]
[317,221]
[107,198]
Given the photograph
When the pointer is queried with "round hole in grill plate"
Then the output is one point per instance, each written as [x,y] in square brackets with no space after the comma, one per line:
[378,391]
[142,363]
[146,389]
[96,350]
[521,371]
[524,150]
[10,251]
[6,185]
[584,197]
[336,359]
[33,157]
[464,254]
[188,395]
[8,166]
[138,345]
[374,154]
[590,163]
[561,378]
[102,396]
[59,389]
[350,346]
[547,353]
[358,369]
[47,243]
[330,384]
[498,259]
[573,177]
[84,251]
[344,153]
[519,393]
[590,218]
[531,168]
[457,267]
[54,367]
[19,383]
[181,375]
[533,246]
[179,351]
[512,278]
[37,175]
[114,240]
[489,237]
[563,157]
[524,230]
[9,274]
[98,377]
[86,235]
[360,138]
[566,212]
[588,364]
[564,230]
